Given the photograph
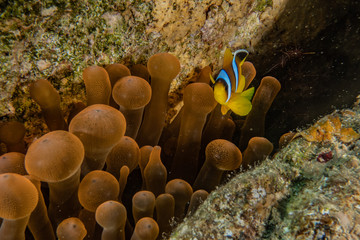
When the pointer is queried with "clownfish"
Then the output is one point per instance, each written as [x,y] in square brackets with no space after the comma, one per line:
[230,83]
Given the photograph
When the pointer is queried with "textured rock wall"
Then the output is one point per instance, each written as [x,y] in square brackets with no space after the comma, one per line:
[57,40]
[295,195]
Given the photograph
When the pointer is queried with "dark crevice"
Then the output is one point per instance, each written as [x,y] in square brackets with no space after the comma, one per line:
[279,213]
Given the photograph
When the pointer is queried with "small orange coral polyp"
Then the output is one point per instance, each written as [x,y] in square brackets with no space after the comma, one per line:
[324,130]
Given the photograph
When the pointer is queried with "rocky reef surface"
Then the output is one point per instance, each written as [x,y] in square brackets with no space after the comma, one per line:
[310,189]
[56,40]
[293,195]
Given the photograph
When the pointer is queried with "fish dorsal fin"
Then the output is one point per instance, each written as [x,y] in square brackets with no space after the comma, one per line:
[228,56]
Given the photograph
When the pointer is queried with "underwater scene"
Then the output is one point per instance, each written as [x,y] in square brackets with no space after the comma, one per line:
[178,119]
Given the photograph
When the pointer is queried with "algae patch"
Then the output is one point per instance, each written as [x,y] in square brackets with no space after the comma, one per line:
[261,5]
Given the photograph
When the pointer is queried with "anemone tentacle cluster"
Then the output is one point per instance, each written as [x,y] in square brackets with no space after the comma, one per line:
[114,170]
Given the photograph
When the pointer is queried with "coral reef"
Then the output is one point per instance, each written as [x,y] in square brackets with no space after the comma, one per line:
[307,190]
[292,195]
[58,40]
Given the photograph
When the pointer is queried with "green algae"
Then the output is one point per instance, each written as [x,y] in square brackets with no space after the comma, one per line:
[261,5]
[38,39]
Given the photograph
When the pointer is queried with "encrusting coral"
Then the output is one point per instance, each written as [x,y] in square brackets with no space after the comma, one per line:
[110,161]
[325,130]
[308,190]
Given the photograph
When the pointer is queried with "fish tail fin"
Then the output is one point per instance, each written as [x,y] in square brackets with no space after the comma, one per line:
[248,93]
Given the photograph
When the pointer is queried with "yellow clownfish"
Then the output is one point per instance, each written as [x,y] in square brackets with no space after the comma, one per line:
[230,83]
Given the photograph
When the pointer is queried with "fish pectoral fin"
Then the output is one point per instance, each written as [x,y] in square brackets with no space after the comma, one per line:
[248,93]
[220,93]
[224,109]
[239,104]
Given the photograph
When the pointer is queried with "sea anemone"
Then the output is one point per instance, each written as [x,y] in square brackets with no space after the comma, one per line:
[112,165]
